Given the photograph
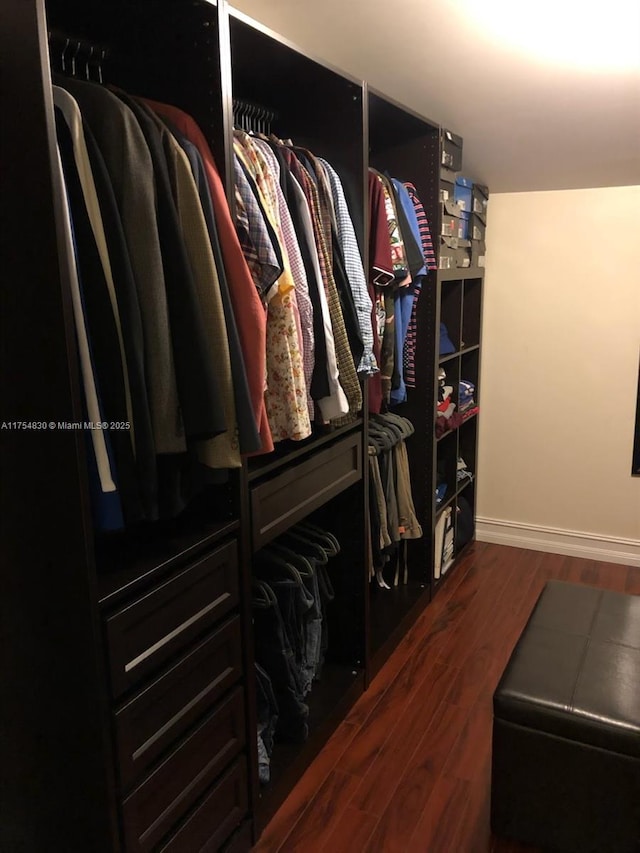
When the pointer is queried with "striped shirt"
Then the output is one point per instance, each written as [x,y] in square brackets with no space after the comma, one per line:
[409,353]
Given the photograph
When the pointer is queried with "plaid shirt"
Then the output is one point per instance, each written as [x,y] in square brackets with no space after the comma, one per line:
[319,206]
[286,393]
[298,272]
[355,270]
[253,234]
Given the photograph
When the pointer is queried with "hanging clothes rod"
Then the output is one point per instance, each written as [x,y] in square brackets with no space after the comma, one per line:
[77,57]
[252,117]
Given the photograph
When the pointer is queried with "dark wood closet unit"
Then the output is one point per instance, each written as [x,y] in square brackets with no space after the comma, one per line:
[321,477]
[129,699]
[458,297]
[129,722]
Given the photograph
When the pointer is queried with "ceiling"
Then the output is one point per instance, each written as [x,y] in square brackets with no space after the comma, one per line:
[528,122]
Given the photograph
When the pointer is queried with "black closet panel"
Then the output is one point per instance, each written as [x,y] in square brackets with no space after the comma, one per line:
[316,106]
[54,689]
[165,50]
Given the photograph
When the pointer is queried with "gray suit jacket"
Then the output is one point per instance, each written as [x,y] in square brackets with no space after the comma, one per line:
[128,161]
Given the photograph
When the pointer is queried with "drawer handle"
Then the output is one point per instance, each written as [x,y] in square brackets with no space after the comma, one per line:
[176,631]
[185,710]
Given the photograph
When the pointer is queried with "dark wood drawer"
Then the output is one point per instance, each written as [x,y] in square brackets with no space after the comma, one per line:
[148,725]
[152,811]
[146,634]
[288,497]
[217,816]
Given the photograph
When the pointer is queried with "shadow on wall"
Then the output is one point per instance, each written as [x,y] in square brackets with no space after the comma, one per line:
[635,464]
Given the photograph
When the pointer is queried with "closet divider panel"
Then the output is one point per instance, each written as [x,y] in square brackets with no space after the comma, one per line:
[53,731]
[320,478]
[405,146]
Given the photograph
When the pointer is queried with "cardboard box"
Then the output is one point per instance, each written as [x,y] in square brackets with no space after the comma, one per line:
[477,228]
[446,191]
[480,200]
[451,151]
[450,219]
[447,185]
[447,257]
[478,251]
[463,193]
[463,254]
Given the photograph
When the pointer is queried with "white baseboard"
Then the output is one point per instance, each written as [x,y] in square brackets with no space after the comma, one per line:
[571,543]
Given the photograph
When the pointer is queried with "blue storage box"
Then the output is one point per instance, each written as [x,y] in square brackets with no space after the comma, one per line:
[463,193]
[463,231]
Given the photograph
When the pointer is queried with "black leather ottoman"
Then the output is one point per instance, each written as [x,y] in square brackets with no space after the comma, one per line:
[566,725]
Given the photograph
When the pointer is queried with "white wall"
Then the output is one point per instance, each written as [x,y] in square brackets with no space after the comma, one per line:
[561,343]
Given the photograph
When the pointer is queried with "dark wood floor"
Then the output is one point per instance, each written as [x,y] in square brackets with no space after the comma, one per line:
[409,768]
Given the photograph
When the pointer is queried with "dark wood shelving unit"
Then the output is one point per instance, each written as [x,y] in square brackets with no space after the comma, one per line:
[98,626]
[459,306]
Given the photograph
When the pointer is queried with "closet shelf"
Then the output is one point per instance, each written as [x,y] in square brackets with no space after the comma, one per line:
[458,555]
[130,564]
[457,429]
[261,466]
[460,273]
[452,355]
[440,508]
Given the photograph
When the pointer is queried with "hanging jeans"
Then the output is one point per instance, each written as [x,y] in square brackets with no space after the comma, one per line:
[274,654]
[267,714]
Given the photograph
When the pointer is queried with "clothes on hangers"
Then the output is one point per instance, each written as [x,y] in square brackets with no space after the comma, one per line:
[292,206]
[409,352]
[167,315]
[392,512]
[400,254]
[354,269]
[291,593]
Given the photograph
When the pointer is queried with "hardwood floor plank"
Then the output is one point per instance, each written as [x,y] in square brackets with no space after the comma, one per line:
[391,763]
[331,800]
[366,748]
[351,832]
[443,818]
[632,582]
[418,782]
[476,836]
[472,749]
[304,793]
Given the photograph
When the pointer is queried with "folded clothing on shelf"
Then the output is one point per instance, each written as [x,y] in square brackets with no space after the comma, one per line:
[441,491]
[466,392]
[446,344]
[462,471]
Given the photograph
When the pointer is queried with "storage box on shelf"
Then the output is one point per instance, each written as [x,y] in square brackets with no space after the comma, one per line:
[447,185]
[463,193]
[451,151]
